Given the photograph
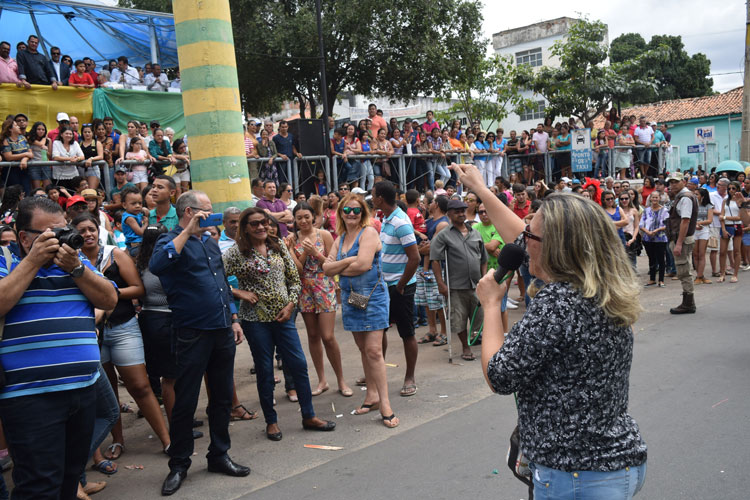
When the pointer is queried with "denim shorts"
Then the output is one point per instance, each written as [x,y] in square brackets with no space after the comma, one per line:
[38,173]
[122,345]
[556,484]
[746,239]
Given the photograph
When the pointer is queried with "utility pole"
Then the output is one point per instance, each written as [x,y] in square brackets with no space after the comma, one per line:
[745,139]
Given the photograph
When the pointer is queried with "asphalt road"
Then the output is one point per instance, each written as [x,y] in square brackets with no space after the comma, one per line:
[690,393]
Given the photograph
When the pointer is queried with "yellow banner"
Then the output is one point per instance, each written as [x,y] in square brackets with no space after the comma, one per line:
[41,103]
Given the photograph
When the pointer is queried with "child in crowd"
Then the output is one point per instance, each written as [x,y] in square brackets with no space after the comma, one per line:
[439,185]
[80,78]
[136,152]
[320,178]
[117,229]
[134,219]
[368,174]
[415,215]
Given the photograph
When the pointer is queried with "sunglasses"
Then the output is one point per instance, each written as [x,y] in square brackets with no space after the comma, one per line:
[348,210]
[609,199]
[256,223]
[344,189]
[625,199]
[529,235]
[481,212]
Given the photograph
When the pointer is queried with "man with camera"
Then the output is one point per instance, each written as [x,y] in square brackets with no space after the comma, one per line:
[49,352]
[206,330]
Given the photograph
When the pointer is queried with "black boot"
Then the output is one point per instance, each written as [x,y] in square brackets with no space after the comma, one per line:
[687,306]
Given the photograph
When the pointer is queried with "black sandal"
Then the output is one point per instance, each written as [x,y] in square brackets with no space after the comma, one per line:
[430,337]
[389,419]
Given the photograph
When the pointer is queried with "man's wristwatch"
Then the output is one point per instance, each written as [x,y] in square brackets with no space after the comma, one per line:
[77,271]
[236,321]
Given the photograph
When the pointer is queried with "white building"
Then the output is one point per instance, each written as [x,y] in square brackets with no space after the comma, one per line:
[532,45]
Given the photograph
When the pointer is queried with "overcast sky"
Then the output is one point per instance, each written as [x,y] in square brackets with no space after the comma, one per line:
[715,28]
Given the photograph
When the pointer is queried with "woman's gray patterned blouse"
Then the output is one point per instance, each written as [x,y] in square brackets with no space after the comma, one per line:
[570,366]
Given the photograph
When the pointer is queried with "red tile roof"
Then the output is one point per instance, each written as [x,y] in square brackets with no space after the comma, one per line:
[686,109]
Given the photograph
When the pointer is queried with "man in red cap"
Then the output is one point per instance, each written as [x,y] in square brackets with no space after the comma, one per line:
[75,206]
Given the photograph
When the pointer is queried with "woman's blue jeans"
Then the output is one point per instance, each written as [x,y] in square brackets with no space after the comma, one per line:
[262,338]
[602,159]
[553,484]
[107,413]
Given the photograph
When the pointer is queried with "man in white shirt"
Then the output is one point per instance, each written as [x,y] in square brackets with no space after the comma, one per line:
[124,74]
[231,221]
[156,80]
[541,143]
[644,136]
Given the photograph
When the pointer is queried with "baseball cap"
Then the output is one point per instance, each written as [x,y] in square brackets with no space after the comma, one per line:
[74,199]
[456,204]
[694,180]
[358,190]
[121,168]
[154,124]
[565,179]
[576,181]
[63,117]
[21,114]
[674,177]
[89,193]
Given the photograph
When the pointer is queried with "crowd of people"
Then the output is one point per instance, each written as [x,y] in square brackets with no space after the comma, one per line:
[163,298]
[31,67]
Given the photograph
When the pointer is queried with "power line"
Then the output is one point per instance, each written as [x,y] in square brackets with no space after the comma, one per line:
[727,73]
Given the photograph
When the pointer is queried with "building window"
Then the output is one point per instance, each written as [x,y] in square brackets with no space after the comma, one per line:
[536,113]
[532,57]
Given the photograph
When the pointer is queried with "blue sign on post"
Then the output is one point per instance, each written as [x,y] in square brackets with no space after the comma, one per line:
[580,154]
[696,148]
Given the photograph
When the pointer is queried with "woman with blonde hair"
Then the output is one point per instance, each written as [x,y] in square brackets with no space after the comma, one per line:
[364,298]
[568,359]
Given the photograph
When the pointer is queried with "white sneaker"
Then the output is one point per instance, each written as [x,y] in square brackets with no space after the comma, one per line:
[510,306]
[512,301]
[746,267]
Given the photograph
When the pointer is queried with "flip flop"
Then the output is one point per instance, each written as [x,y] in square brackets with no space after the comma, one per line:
[111,449]
[361,382]
[468,357]
[366,408]
[408,390]
[107,467]
[346,393]
[440,340]
[388,421]
[246,414]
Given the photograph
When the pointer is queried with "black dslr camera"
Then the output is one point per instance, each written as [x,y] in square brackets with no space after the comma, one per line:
[68,236]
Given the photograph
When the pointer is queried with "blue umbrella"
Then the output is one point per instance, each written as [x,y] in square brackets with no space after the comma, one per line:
[730,166]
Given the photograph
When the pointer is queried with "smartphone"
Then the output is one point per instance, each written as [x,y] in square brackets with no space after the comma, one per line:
[212,220]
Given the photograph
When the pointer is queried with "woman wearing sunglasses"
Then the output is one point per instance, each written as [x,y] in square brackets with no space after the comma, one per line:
[608,203]
[269,287]
[574,345]
[630,214]
[356,259]
[731,229]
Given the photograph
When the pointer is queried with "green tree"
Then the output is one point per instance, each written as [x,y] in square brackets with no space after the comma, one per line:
[486,91]
[151,5]
[393,48]
[678,76]
[584,85]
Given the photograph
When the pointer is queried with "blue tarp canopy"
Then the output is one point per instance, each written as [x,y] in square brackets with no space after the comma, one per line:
[90,30]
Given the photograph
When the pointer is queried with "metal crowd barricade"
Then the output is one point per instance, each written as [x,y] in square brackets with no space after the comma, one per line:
[277,159]
[331,179]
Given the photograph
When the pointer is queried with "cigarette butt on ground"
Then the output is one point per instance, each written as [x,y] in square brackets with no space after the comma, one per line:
[324,447]
[391,365]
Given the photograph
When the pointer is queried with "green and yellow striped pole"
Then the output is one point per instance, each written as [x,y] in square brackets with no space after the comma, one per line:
[211,101]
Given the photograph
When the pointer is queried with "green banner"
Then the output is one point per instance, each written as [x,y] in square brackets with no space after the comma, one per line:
[125,105]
